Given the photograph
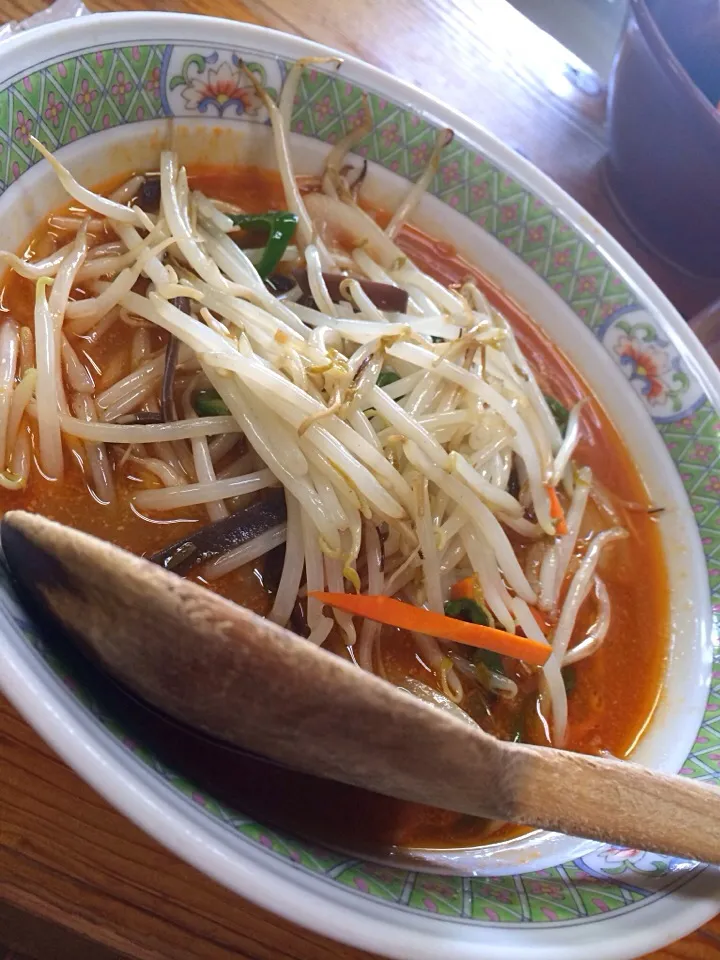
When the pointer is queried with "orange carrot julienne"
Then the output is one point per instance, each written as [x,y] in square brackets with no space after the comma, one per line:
[464,589]
[556,511]
[395,613]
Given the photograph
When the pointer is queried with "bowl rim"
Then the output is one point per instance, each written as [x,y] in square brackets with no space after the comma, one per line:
[85,752]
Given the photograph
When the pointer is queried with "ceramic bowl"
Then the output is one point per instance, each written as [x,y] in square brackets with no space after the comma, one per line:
[100,95]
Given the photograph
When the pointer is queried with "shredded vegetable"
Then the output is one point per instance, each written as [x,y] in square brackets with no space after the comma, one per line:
[395,613]
[280,226]
[556,511]
[209,403]
[467,609]
[383,438]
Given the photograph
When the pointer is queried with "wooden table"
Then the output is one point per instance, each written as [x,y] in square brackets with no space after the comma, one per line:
[77,880]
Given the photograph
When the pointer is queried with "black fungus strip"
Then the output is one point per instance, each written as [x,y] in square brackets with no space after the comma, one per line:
[148,198]
[355,187]
[363,366]
[298,620]
[383,295]
[144,418]
[279,283]
[167,403]
[271,576]
[223,535]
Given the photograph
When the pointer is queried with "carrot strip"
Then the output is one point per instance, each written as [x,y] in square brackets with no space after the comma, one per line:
[464,589]
[556,511]
[395,613]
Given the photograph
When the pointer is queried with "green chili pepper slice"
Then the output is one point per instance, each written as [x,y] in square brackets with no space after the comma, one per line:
[489,659]
[280,226]
[467,609]
[560,412]
[209,403]
[387,377]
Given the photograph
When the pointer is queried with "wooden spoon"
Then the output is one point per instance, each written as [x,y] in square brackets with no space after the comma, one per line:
[219,667]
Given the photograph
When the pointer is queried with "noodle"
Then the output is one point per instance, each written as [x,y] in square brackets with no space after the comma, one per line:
[414,448]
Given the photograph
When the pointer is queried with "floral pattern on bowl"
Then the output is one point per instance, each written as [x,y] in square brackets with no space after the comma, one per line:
[101,88]
[651,365]
[214,84]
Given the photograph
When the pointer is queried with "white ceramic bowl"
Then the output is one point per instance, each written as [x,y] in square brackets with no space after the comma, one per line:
[100,96]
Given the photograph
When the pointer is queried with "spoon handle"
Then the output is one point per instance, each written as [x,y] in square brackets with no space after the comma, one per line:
[616,802]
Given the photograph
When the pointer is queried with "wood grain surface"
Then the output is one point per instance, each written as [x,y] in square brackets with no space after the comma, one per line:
[77,880]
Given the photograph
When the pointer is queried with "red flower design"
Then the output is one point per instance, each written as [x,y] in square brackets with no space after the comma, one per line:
[85,96]
[355,119]
[646,363]
[543,888]
[703,451]
[563,257]
[24,127]
[536,234]
[586,285]
[121,88]
[499,894]
[53,110]
[713,484]
[152,84]
[222,88]
[451,172]
[478,191]
[324,109]
[390,135]
[419,154]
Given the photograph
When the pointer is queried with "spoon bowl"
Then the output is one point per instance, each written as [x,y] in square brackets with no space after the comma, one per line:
[233,675]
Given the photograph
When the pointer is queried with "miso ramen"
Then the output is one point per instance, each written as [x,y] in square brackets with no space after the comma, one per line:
[308,405]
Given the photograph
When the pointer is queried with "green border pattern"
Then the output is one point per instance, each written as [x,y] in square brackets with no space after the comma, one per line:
[97,89]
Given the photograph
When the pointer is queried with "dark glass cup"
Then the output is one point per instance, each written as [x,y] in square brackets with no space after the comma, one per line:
[662,171]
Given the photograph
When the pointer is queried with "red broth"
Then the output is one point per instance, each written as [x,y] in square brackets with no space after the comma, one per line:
[616,689]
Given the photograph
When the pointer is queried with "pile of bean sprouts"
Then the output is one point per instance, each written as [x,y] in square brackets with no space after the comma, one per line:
[400,489]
